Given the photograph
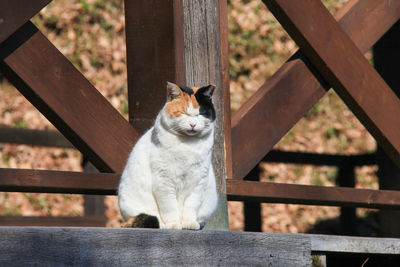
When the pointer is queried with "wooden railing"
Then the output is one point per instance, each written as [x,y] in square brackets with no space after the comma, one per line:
[186,41]
[331,56]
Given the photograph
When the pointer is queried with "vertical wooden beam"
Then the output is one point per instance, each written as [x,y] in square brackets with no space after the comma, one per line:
[348,218]
[252,210]
[184,42]
[154,56]
[386,60]
[205,62]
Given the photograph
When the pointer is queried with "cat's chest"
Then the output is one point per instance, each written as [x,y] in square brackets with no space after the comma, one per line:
[185,153]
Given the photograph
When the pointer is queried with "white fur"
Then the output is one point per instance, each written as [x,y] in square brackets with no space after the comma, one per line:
[169,173]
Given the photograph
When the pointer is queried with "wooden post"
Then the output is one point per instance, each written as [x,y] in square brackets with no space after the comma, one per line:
[184,42]
[386,58]
[348,216]
[252,210]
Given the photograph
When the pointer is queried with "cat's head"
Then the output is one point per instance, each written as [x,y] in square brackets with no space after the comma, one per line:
[189,111]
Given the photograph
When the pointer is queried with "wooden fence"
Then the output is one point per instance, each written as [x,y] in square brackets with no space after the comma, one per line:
[165,42]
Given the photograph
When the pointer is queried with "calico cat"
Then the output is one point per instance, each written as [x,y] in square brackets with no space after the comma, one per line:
[169,180]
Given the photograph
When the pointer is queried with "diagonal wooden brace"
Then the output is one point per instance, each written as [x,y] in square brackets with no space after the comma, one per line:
[15,13]
[67,99]
[284,99]
[342,64]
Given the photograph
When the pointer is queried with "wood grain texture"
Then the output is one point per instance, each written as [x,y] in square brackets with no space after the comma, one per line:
[347,244]
[205,62]
[239,190]
[341,63]
[202,62]
[67,99]
[137,247]
[15,13]
[286,97]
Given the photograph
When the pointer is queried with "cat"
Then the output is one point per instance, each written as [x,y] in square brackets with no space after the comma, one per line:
[169,181]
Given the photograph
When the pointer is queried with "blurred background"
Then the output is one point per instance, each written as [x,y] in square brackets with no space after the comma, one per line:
[91,34]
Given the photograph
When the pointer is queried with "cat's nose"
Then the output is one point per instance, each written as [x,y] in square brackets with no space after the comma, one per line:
[192,125]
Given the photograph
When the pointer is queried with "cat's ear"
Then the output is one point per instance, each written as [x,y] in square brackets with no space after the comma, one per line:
[207,90]
[173,91]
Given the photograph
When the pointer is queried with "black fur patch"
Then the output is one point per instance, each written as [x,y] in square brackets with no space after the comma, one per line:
[187,90]
[146,221]
[203,97]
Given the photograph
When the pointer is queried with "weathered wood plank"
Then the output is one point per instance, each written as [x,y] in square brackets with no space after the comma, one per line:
[239,190]
[15,13]
[205,62]
[342,64]
[273,110]
[52,84]
[30,246]
[347,244]
[42,181]
[33,137]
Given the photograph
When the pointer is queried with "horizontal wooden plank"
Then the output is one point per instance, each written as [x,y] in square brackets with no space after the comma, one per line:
[75,221]
[17,180]
[15,13]
[33,137]
[57,89]
[317,159]
[347,244]
[30,246]
[341,63]
[238,190]
[286,97]
[43,181]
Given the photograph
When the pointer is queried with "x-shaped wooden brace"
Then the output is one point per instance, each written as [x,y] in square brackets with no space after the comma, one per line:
[331,56]
[59,90]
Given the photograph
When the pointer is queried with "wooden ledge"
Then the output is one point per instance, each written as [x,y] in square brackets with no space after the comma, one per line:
[53,246]
[119,247]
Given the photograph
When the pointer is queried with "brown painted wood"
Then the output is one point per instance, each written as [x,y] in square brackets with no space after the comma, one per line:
[43,181]
[15,13]
[319,159]
[271,112]
[33,137]
[17,180]
[239,190]
[154,56]
[342,64]
[52,84]
[75,221]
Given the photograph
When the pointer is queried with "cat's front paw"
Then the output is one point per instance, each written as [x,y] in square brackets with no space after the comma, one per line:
[190,224]
[172,225]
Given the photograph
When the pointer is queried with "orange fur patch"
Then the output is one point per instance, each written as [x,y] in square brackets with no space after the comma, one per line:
[179,105]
